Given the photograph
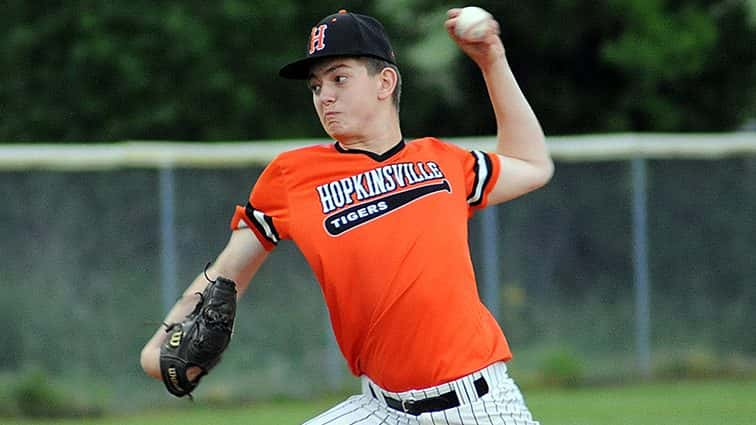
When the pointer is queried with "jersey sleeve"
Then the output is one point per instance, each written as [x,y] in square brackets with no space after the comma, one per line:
[481,173]
[267,211]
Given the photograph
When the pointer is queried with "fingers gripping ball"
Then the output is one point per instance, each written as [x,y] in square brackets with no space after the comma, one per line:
[200,339]
[472,23]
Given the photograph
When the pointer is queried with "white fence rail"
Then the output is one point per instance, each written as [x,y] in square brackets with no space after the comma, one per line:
[145,154]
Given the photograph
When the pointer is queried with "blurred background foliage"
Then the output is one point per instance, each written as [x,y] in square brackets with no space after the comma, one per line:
[81,71]
[87,243]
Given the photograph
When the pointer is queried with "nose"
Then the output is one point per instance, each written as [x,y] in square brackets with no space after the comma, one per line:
[326,96]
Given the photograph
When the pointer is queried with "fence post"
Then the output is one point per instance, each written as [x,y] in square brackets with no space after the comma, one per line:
[167,238]
[333,360]
[489,243]
[640,265]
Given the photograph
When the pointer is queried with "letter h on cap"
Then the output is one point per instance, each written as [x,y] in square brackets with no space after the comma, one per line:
[317,38]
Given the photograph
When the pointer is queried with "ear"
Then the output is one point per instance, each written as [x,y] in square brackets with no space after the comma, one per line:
[387,81]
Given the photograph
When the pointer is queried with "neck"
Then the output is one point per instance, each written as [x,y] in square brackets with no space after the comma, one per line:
[378,139]
[376,146]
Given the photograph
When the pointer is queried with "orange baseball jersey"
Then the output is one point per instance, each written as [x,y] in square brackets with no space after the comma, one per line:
[386,236]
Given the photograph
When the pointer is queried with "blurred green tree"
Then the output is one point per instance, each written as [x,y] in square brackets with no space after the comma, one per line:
[191,70]
[629,65]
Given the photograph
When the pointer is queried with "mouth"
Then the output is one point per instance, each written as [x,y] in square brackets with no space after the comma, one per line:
[330,116]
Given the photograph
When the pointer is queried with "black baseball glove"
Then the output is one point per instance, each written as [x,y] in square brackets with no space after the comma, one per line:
[200,339]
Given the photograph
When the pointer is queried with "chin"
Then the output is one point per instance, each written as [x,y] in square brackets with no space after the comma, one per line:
[338,134]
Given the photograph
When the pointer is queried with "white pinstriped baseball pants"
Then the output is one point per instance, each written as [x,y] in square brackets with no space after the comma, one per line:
[502,405]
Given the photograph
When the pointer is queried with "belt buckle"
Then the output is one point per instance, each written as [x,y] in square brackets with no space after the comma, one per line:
[407,405]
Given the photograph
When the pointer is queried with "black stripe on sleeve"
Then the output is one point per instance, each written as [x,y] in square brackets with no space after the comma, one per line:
[263,223]
[483,169]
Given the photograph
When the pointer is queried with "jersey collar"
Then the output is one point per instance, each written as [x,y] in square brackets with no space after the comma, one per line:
[374,156]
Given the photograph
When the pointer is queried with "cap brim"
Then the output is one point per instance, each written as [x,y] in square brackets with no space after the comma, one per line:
[300,70]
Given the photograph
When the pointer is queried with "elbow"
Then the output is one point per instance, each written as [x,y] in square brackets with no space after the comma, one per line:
[150,362]
[548,172]
[545,173]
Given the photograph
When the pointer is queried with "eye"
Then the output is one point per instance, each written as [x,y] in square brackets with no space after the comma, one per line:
[340,79]
[314,88]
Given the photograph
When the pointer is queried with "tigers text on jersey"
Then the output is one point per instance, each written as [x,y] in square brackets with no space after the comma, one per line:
[386,236]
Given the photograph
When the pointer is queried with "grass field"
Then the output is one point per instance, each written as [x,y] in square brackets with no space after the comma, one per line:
[674,403]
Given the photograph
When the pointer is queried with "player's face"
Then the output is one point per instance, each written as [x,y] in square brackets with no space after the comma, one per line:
[345,96]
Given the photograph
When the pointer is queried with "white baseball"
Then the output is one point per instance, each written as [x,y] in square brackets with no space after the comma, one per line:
[472,23]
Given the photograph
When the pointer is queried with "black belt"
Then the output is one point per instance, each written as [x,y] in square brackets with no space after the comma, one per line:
[444,401]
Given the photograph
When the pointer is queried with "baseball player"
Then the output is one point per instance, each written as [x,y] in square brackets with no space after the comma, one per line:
[382,222]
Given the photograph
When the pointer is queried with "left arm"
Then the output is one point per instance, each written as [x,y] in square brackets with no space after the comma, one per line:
[525,161]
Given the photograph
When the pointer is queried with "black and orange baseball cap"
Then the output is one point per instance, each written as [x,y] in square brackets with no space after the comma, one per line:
[342,34]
